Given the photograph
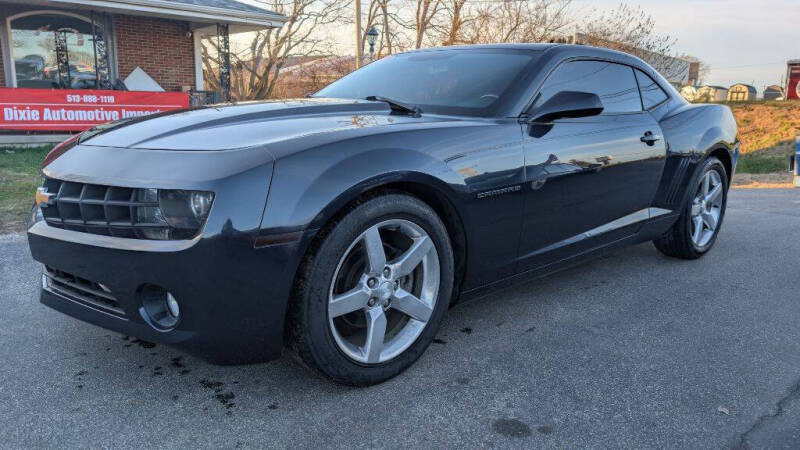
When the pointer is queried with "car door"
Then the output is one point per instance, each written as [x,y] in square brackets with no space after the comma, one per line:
[589,180]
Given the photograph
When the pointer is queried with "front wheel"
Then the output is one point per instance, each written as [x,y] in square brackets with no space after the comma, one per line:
[696,230]
[370,298]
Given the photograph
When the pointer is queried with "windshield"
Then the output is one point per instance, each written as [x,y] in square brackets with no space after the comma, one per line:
[461,82]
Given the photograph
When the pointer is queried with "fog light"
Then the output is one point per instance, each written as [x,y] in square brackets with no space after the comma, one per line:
[159,307]
[172,306]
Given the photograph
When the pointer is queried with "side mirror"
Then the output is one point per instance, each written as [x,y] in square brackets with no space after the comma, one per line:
[568,104]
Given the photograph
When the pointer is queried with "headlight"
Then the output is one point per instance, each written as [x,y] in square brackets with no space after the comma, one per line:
[172,214]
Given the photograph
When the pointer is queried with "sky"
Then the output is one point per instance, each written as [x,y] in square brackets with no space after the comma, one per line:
[742,41]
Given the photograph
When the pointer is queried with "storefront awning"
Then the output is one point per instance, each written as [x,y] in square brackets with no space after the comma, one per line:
[240,15]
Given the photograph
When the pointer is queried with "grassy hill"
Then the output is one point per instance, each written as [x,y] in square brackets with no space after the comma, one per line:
[767,131]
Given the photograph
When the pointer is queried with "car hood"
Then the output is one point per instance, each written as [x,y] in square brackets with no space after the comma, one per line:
[230,127]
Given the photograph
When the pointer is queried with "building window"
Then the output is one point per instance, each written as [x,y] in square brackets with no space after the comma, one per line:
[54,50]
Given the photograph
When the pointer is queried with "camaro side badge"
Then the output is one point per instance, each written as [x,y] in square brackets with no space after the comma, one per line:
[43,197]
[496,192]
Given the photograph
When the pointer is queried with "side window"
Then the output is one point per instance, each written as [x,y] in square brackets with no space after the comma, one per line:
[613,83]
[652,94]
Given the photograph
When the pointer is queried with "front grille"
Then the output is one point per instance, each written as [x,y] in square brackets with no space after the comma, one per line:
[97,209]
[81,290]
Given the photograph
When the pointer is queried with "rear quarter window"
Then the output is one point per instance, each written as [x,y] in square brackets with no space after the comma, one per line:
[652,94]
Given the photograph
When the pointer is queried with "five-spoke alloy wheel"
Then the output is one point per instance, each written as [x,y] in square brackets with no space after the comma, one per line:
[695,231]
[381,313]
[707,208]
[373,291]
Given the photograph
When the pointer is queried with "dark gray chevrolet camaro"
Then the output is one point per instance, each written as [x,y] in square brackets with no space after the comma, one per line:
[342,226]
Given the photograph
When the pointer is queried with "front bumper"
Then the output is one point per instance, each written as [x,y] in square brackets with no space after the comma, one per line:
[233,296]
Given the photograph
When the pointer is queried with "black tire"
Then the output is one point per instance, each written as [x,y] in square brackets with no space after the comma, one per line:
[309,336]
[677,241]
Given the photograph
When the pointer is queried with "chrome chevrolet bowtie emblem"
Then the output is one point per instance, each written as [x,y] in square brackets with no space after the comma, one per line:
[43,197]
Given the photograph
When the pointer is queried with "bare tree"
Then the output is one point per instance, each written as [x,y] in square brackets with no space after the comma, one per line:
[515,21]
[398,27]
[387,17]
[426,13]
[457,17]
[631,30]
[373,16]
[404,25]
[257,66]
[386,36]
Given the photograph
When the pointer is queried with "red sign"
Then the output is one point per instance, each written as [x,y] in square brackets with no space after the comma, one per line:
[79,109]
[793,83]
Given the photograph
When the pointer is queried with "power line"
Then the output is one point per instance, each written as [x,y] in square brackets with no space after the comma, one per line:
[746,66]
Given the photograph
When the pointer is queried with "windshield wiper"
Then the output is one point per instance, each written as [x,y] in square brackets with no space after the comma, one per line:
[411,110]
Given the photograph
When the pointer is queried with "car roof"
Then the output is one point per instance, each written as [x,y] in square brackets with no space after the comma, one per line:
[515,46]
[561,51]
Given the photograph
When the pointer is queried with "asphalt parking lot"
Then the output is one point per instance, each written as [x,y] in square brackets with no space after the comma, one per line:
[630,350]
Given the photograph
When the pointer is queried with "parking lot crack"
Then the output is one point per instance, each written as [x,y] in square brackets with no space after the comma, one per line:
[780,408]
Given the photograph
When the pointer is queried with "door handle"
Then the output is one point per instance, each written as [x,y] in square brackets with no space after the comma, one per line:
[649,138]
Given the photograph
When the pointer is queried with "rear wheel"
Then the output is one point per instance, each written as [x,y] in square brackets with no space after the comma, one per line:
[696,230]
[371,297]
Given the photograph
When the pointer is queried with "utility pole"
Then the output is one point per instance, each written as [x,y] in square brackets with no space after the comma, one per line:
[358,34]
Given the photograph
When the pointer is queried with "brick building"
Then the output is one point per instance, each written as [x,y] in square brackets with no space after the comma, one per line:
[99,44]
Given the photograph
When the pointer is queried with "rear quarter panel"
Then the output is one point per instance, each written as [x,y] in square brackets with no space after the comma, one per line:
[693,133]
